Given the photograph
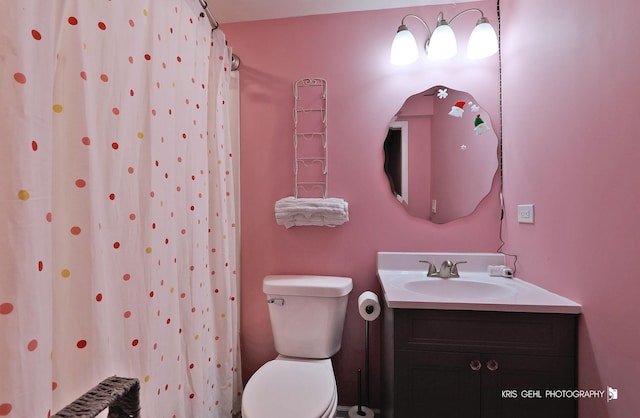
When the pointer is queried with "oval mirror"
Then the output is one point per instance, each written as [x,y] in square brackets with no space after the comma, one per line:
[441,154]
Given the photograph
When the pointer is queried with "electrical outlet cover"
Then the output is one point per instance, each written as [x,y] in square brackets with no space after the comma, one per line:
[525,214]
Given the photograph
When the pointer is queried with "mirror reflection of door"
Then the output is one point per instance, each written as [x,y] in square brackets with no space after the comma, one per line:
[396,159]
[450,155]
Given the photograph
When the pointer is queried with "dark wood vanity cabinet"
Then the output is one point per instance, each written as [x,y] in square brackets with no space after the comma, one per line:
[476,364]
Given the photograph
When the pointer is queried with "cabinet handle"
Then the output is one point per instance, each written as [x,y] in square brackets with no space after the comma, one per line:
[492,365]
[475,365]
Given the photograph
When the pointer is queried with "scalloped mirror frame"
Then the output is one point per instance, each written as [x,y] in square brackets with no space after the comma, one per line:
[441,154]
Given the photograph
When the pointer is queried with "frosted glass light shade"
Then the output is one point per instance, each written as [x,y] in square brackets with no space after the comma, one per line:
[404,49]
[442,44]
[483,41]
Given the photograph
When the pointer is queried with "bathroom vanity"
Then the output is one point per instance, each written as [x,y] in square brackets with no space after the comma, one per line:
[474,346]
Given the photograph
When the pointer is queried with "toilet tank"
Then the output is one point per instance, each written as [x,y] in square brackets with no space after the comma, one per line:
[307,313]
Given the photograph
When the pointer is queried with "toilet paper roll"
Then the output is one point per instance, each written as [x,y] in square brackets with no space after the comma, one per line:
[369,306]
[368,413]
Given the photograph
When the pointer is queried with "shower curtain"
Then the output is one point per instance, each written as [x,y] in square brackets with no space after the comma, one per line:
[117,218]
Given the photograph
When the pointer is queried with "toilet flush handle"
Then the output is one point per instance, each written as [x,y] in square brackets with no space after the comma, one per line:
[277,301]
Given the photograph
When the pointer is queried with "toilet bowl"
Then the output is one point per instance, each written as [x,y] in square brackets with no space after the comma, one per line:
[307,318]
[291,388]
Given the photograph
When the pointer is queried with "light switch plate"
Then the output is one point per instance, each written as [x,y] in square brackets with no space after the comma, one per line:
[525,214]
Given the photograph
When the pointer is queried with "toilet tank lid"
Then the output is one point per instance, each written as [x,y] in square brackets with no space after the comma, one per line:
[296,285]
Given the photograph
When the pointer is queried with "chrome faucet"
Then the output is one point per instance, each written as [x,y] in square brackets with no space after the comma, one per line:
[447,269]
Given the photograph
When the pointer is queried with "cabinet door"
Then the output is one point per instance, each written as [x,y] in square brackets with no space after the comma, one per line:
[437,385]
[517,386]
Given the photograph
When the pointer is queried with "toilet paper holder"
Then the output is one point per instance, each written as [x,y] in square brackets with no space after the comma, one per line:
[369,309]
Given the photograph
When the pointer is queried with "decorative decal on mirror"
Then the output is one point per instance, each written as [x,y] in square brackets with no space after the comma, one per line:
[439,158]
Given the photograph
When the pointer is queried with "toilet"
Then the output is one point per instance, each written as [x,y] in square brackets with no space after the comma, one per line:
[307,318]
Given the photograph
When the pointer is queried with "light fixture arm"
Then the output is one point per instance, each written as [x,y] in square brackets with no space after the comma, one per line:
[420,19]
[473,9]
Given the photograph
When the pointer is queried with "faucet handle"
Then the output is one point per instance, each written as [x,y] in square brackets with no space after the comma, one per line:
[432,268]
[454,268]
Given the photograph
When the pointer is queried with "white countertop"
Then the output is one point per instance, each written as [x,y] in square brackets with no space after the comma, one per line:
[473,290]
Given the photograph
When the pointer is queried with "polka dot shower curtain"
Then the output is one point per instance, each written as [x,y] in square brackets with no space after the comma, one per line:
[117,240]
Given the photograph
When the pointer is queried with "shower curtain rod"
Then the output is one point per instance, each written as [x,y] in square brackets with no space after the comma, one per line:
[235,60]
[212,20]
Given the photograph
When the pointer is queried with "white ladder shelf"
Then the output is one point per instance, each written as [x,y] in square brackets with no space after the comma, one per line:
[310,138]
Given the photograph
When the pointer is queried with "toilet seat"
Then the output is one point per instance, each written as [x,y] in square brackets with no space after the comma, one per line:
[291,388]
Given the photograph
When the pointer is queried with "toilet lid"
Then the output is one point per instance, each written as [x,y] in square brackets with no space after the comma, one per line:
[284,388]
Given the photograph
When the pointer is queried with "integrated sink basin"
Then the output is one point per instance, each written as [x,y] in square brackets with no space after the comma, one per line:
[459,288]
[405,284]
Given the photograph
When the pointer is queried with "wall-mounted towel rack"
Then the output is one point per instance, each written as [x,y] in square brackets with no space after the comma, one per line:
[309,205]
[310,168]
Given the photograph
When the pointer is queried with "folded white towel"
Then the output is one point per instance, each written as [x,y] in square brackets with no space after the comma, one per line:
[291,211]
[310,202]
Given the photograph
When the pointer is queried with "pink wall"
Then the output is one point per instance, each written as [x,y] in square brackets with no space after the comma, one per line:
[351,51]
[571,147]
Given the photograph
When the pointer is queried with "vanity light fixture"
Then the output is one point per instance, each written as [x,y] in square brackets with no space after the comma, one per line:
[441,43]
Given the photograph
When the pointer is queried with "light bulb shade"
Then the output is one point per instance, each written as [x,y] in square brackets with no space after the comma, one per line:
[404,49]
[483,41]
[442,44]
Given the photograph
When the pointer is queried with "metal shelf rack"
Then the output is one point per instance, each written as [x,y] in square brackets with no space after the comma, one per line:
[310,138]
